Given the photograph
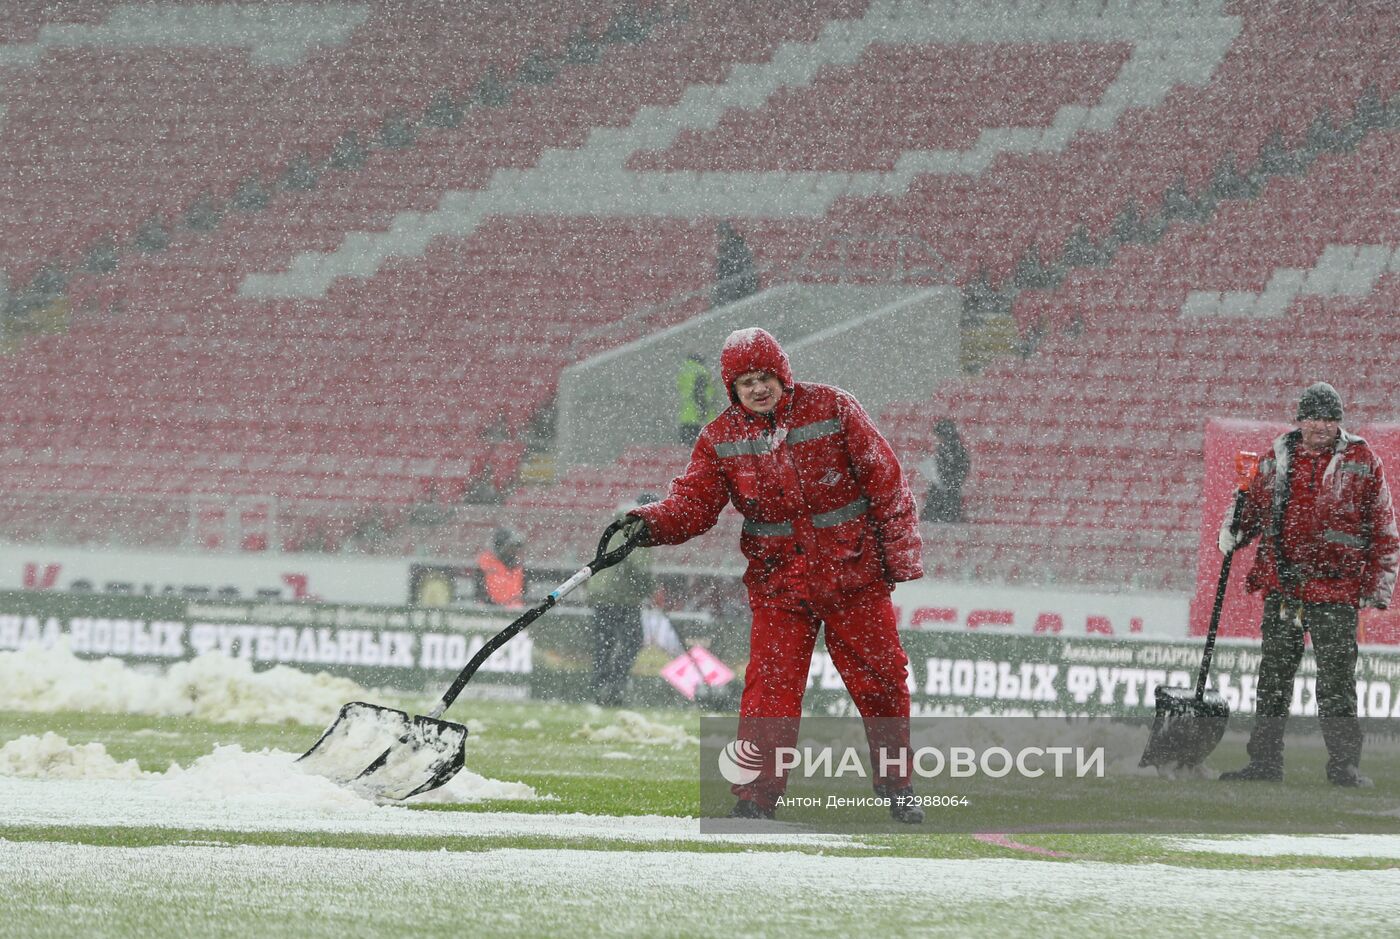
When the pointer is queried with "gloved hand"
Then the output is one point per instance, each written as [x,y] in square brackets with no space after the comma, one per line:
[636,527]
[1230,537]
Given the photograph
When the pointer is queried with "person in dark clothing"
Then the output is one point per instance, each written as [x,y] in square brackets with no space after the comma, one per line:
[616,595]
[946,472]
[1328,545]
[735,275]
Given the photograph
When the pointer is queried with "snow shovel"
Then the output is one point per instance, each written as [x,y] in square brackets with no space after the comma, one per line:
[1189,724]
[389,755]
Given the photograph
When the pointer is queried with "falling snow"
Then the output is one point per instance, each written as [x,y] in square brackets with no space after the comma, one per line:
[308,309]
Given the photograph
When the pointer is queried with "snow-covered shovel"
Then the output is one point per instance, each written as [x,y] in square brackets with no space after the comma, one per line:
[412,753]
[388,754]
[1189,723]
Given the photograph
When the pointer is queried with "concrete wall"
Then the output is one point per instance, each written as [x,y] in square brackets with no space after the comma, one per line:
[880,343]
[894,353]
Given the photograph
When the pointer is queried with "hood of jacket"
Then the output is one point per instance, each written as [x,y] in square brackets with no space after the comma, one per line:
[753,350]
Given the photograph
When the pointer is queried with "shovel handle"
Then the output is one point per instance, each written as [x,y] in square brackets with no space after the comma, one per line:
[605,558]
[601,560]
[1218,605]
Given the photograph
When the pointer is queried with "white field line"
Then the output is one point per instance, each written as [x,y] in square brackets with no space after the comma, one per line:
[270,890]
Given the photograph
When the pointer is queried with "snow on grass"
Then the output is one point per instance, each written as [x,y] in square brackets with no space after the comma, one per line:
[631,727]
[234,778]
[212,687]
[467,786]
[229,776]
[299,891]
[1331,846]
[53,757]
[230,791]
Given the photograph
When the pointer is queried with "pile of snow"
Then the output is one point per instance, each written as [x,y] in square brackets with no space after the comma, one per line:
[212,687]
[467,786]
[216,687]
[53,679]
[631,727]
[229,776]
[232,775]
[53,757]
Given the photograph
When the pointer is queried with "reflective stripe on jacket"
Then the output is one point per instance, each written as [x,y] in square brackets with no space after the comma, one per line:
[827,510]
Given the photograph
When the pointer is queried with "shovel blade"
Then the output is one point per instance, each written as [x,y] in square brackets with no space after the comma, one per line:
[1185,731]
[386,754]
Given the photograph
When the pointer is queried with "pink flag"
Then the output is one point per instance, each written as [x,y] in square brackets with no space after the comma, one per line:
[686,677]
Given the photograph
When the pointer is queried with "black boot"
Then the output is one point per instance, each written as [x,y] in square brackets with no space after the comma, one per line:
[1349,777]
[1265,751]
[903,807]
[747,808]
[1343,738]
[1255,772]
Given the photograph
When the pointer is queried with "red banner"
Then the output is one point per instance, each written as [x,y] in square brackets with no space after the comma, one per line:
[1242,611]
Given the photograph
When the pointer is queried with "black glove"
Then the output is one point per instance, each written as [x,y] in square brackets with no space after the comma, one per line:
[635,529]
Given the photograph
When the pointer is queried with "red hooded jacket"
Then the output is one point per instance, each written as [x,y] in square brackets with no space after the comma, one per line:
[827,510]
[1333,516]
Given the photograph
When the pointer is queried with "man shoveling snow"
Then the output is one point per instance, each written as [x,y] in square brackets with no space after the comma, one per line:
[829,527]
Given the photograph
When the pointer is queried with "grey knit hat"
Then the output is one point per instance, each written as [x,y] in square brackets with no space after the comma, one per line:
[1319,402]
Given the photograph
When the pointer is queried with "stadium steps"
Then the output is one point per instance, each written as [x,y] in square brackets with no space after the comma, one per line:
[551,186]
[196,98]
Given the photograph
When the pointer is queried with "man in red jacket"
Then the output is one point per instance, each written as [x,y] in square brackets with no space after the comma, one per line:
[829,527]
[1328,545]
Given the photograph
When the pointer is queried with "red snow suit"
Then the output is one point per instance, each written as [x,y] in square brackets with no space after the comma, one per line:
[827,510]
[829,526]
[1333,515]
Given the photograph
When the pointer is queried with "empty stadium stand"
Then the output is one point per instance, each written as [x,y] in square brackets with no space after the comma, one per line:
[1142,188]
[115,114]
[322,401]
